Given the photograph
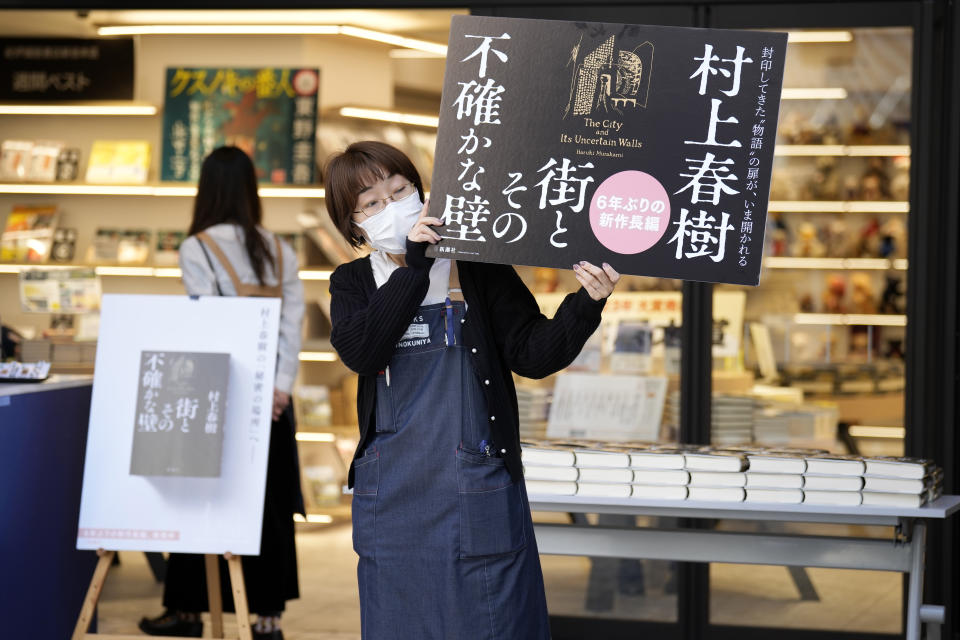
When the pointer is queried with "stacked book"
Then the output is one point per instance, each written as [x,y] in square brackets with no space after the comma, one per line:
[773,476]
[833,480]
[900,482]
[731,419]
[534,408]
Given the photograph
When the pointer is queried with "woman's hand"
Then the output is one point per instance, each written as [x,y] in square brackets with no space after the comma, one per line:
[281,401]
[598,282]
[421,231]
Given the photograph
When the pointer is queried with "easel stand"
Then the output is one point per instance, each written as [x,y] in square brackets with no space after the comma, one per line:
[213,593]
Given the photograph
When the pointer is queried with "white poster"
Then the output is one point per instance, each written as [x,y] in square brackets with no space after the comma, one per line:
[660,309]
[177,504]
[607,407]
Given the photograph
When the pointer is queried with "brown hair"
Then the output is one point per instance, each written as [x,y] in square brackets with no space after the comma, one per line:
[349,172]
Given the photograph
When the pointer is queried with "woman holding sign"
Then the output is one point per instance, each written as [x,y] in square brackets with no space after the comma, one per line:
[441,520]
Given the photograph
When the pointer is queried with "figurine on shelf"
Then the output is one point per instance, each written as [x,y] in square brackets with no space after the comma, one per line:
[893,239]
[806,303]
[861,294]
[833,296]
[868,244]
[890,299]
[825,183]
[894,349]
[779,236]
[807,244]
[837,239]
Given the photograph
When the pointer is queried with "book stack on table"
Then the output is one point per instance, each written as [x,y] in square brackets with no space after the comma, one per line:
[786,476]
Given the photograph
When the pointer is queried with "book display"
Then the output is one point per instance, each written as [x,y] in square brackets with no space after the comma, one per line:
[589,468]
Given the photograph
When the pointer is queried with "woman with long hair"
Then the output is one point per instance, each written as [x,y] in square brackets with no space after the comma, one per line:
[441,521]
[229,253]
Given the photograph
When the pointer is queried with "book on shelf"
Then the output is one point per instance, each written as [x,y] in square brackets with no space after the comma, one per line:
[906,500]
[774,480]
[546,454]
[716,494]
[657,457]
[777,462]
[546,488]
[602,459]
[133,247]
[778,496]
[119,162]
[657,477]
[832,498]
[606,475]
[551,473]
[28,235]
[706,460]
[835,465]
[43,161]
[15,160]
[167,248]
[717,479]
[658,492]
[814,482]
[64,245]
[902,485]
[603,490]
[898,467]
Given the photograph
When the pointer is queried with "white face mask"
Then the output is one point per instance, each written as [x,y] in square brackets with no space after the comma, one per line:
[387,231]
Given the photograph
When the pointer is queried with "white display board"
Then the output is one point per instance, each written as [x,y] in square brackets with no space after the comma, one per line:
[607,407]
[120,510]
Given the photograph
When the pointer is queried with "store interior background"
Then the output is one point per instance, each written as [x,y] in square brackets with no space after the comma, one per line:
[841,377]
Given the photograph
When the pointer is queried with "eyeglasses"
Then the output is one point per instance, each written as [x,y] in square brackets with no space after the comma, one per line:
[374,207]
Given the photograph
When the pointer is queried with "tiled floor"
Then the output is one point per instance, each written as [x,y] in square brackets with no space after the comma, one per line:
[328,608]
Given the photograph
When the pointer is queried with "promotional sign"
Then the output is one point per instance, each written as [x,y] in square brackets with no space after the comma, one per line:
[269,113]
[607,407]
[55,69]
[650,148]
[180,422]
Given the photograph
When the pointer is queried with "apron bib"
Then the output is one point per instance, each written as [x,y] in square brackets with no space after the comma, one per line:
[444,535]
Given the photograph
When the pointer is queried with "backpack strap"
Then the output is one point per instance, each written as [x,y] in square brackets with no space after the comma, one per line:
[205,239]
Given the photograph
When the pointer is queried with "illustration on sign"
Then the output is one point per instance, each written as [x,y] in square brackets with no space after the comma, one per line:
[269,113]
[178,428]
[650,148]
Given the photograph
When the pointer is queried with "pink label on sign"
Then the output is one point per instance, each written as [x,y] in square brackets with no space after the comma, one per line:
[630,212]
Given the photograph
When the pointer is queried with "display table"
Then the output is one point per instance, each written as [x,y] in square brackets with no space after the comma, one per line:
[43,434]
[904,553]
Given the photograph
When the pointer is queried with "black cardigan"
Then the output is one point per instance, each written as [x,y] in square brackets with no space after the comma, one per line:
[503,329]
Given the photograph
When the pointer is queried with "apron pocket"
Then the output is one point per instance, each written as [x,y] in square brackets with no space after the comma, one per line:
[366,484]
[491,507]
[385,416]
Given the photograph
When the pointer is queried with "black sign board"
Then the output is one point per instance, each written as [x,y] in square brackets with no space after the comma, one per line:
[650,148]
[66,69]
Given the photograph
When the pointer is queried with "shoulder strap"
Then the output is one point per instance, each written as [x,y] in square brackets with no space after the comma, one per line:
[206,255]
[279,264]
[221,256]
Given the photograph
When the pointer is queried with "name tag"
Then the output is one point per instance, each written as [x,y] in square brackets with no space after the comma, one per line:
[416,331]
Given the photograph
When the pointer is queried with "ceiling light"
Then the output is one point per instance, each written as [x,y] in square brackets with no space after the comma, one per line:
[826,93]
[391,116]
[435,48]
[803,37]
[78,110]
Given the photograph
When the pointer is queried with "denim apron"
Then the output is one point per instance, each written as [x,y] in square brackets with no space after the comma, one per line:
[444,535]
